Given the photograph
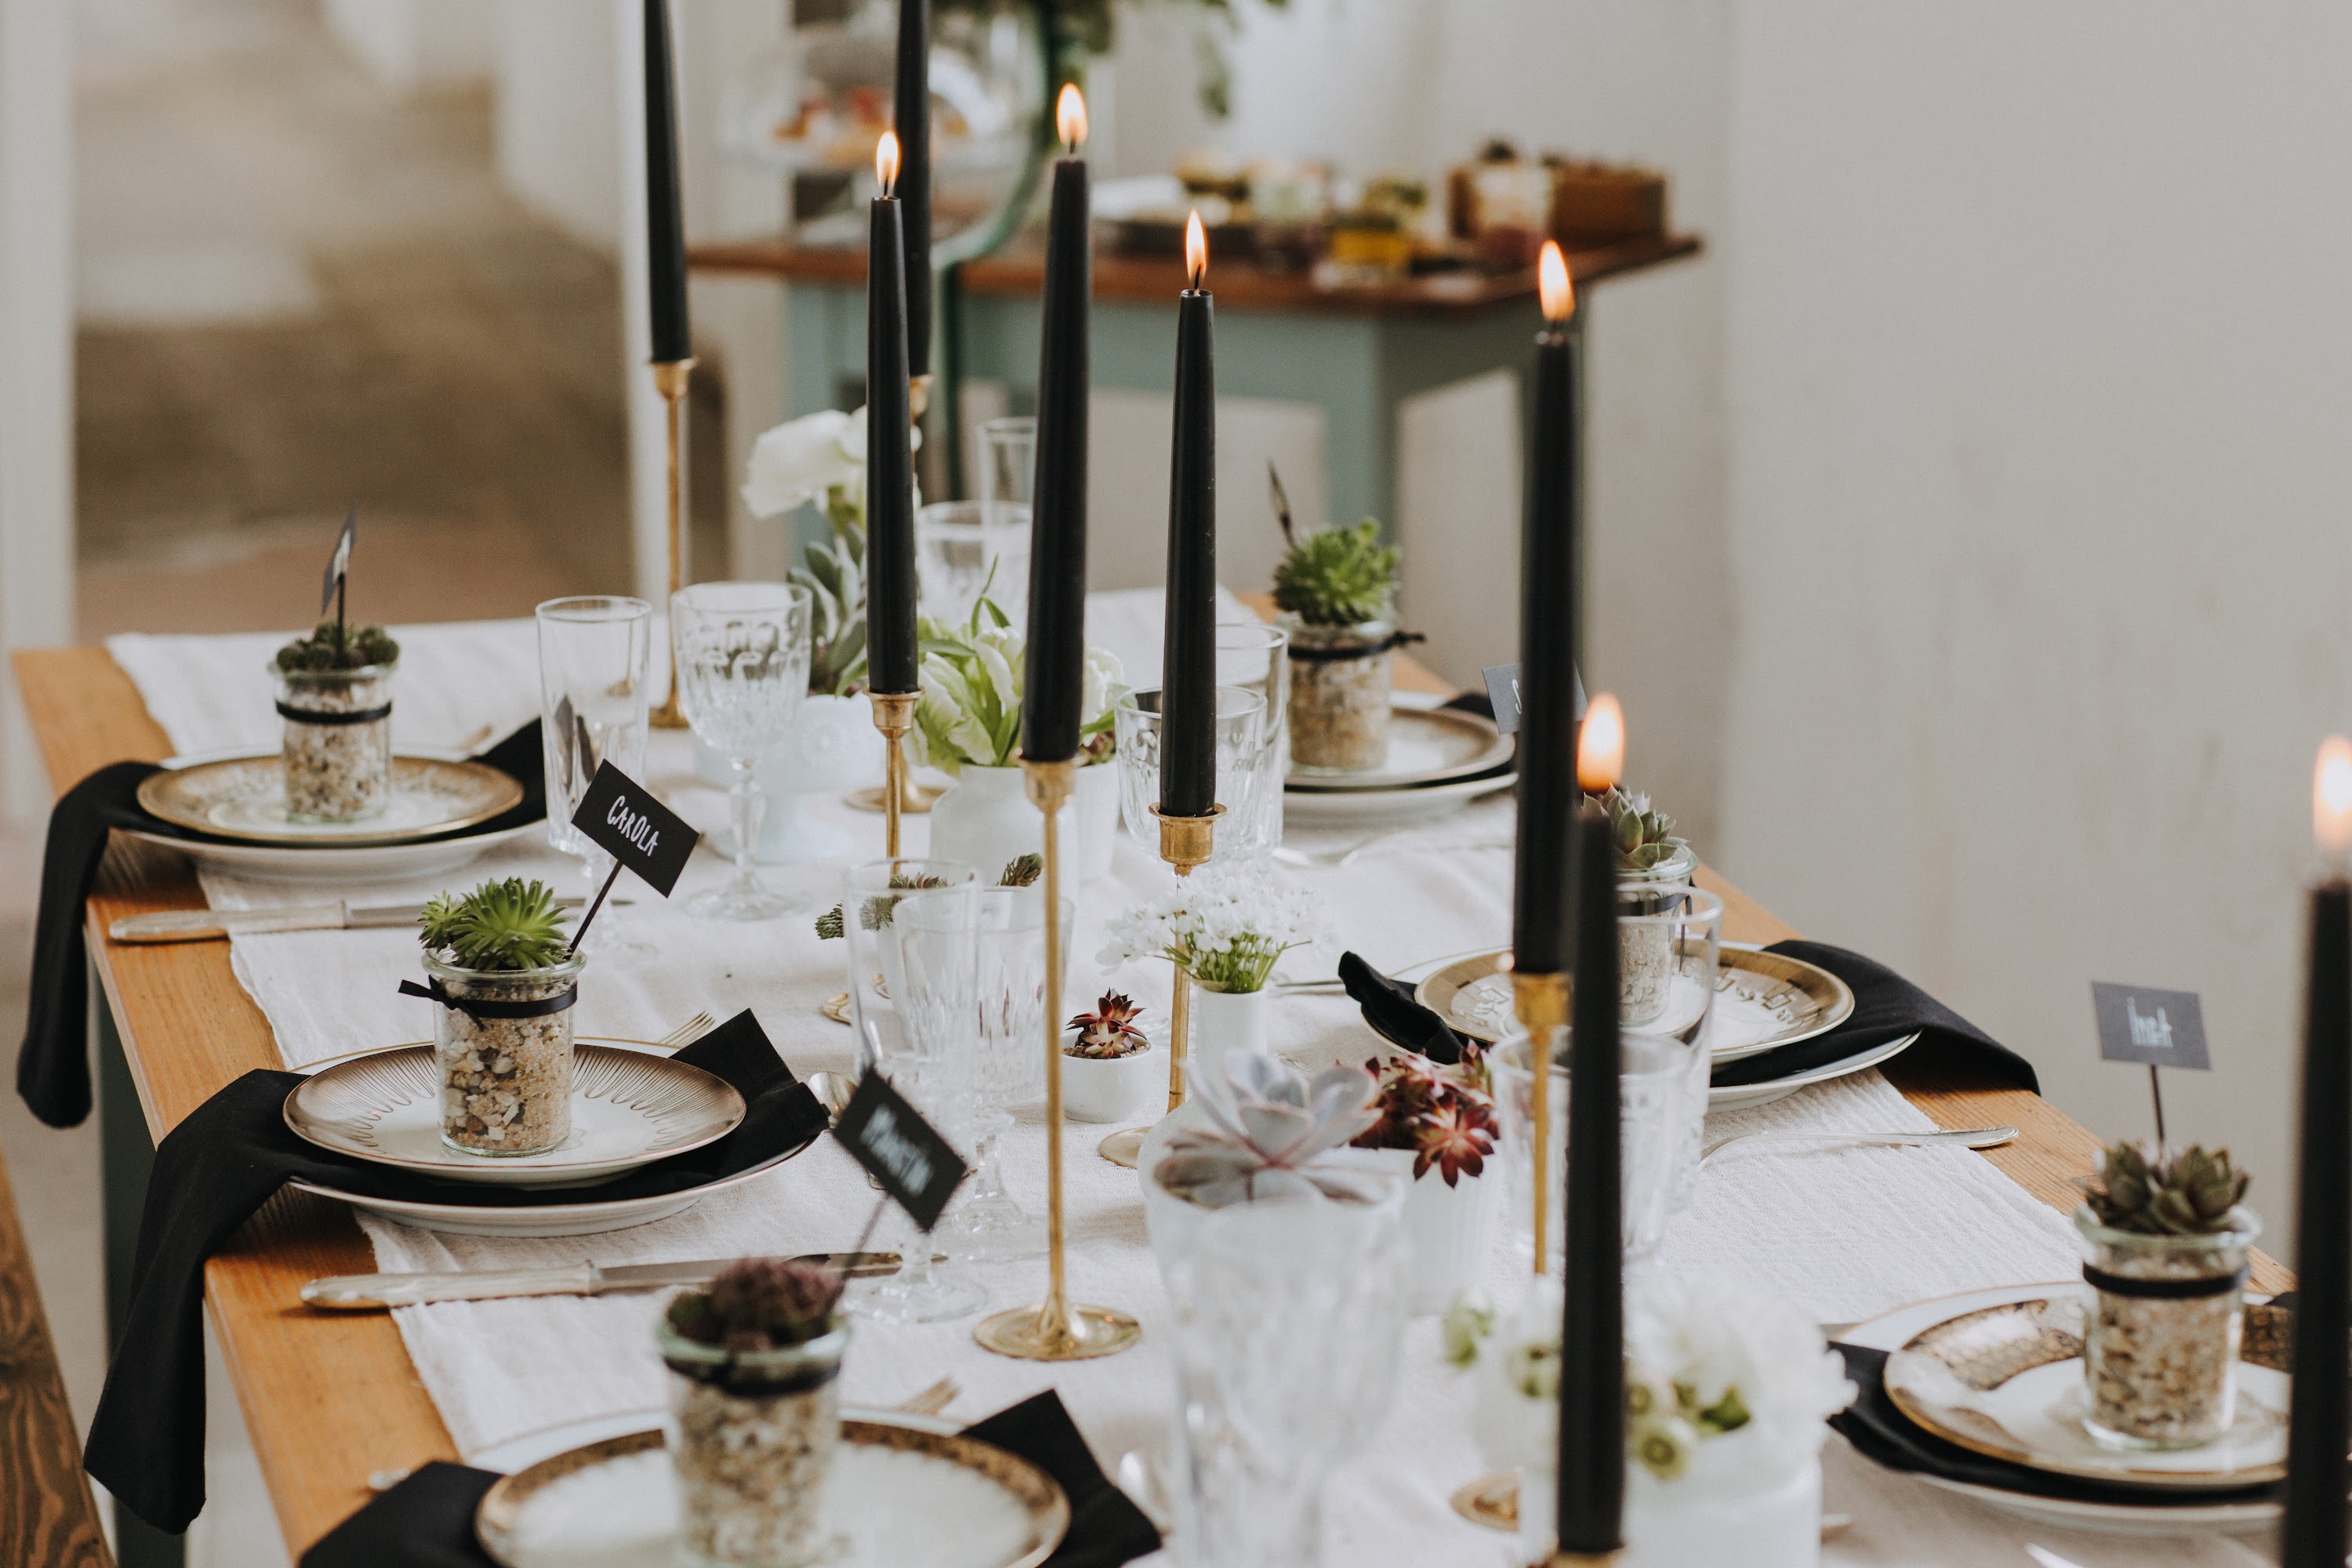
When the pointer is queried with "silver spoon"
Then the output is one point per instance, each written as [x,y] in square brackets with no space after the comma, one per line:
[1959,1137]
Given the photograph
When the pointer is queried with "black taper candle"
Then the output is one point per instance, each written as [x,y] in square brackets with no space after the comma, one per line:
[1188,677]
[889,451]
[1054,681]
[912,121]
[1547,795]
[665,205]
[1592,1501]
[2312,1535]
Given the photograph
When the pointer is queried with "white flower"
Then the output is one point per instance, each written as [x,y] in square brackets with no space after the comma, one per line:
[969,714]
[1226,925]
[803,459]
[1105,682]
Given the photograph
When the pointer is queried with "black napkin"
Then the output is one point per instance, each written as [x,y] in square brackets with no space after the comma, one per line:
[146,1442]
[53,1063]
[1394,1014]
[427,1520]
[1886,1007]
[1882,1433]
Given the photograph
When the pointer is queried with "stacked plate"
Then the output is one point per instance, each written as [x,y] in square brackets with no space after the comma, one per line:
[1439,759]
[228,812]
[1999,1373]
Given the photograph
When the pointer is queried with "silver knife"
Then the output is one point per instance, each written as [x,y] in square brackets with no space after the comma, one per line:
[360,1292]
[200,925]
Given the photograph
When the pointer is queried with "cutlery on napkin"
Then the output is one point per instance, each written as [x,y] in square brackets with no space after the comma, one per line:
[366,1292]
[200,925]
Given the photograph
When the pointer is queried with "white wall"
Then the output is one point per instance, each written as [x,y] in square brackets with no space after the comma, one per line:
[558,146]
[412,44]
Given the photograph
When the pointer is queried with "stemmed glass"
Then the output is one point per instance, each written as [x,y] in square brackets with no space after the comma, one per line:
[989,1226]
[592,654]
[742,659]
[928,1057]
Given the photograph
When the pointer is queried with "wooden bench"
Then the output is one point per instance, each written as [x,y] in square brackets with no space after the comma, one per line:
[47,1517]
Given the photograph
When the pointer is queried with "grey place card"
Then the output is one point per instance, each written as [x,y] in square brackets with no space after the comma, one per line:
[624,819]
[1503,692]
[903,1152]
[2139,1024]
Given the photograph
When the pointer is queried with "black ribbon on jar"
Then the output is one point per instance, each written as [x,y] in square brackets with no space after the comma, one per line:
[313,716]
[483,1008]
[2164,1289]
[1332,654]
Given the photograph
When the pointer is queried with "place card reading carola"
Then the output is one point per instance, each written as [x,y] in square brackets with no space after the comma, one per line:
[622,818]
[1503,692]
[902,1150]
[2162,1029]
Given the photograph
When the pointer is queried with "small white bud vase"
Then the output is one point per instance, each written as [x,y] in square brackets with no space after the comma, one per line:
[506,1081]
[1448,1230]
[752,1437]
[338,742]
[1224,1024]
[985,819]
[1113,1088]
[2161,1332]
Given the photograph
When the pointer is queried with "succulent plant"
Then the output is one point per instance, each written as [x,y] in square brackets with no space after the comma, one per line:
[1267,1143]
[1447,1125]
[333,646]
[1645,838]
[1337,577]
[759,1304]
[1022,871]
[2189,1193]
[1108,1032]
[834,572]
[500,925]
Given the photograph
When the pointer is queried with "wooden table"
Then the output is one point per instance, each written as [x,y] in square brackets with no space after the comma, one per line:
[328,1398]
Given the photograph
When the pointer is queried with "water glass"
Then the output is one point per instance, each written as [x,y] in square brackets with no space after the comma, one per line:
[1008,471]
[989,1225]
[961,555]
[1256,658]
[1669,943]
[592,656]
[1653,1084]
[1289,1323]
[1240,718]
[741,652]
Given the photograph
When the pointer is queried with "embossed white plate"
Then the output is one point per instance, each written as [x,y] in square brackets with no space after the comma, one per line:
[628,1109]
[1426,747]
[245,798]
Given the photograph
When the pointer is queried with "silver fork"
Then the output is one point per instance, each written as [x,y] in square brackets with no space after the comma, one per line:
[1957,1137]
[685,1034]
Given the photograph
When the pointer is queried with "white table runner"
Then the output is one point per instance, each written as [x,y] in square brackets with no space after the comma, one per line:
[1842,1233]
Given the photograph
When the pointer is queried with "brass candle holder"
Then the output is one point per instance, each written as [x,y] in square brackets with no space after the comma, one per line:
[894,715]
[1184,842]
[670,377]
[1541,1003]
[1055,1329]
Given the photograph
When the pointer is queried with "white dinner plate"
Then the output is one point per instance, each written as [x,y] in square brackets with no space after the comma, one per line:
[545,1442]
[1762,1001]
[244,798]
[1317,806]
[332,865]
[1427,746]
[1743,1097]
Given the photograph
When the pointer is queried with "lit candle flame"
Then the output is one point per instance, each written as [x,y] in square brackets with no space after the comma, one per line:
[1600,749]
[2331,798]
[1070,118]
[885,162]
[1196,250]
[1552,285]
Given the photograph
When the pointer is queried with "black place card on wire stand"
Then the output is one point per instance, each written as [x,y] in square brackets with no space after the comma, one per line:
[2161,1029]
[900,1149]
[624,819]
[1503,692]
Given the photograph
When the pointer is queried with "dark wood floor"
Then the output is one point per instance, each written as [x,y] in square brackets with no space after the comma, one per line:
[48,1517]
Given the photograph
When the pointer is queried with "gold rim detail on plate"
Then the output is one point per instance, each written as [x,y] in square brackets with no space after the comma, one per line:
[198,796]
[341,1109]
[1817,1001]
[499,1513]
[1482,747]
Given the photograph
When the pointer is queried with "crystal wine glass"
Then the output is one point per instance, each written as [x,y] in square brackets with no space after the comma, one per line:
[742,659]
[989,1226]
[592,653]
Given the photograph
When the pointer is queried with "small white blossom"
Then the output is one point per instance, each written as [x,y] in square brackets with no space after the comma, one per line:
[1223,925]
[806,459]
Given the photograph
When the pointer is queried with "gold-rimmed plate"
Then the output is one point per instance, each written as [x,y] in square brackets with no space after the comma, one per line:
[1762,1000]
[1426,747]
[896,1493]
[244,798]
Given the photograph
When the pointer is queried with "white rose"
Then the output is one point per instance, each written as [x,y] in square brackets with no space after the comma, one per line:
[800,459]
[1103,680]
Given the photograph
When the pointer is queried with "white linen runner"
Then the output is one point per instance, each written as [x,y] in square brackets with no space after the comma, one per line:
[1842,1232]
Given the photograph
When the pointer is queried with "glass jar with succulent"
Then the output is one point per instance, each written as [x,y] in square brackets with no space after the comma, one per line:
[1653,868]
[754,1413]
[2164,1240]
[497,963]
[1438,1128]
[334,691]
[1107,1073]
[1337,592]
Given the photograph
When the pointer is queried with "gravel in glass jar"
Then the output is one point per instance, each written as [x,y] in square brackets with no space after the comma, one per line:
[338,745]
[1646,954]
[2161,1333]
[752,1435]
[1339,695]
[506,1081]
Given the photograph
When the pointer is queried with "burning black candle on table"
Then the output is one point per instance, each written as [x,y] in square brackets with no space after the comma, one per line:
[1589,1514]
[912,122]
[2312,1533]
[1548,795]
[1188,694]
[1054,681]
[890,447]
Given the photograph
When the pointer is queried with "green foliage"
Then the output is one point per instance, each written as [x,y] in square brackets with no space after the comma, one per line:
[1338,578]
[355,648]
[834,572]
[757,1304]
[1022,871]
[1645,838]
[500,925]
[2191,1193]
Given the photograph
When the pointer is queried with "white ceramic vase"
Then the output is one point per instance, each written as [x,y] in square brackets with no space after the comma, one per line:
[1174,1223]
[985,820]
[1774,1515]
[1225,1024]
[833,747]
[1448,1230]
[1113,1088]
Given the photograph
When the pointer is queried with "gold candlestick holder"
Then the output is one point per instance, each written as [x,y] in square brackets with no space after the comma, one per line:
[1055,1329]
[894,715]
[1541,1003]
[1184,842]
[670,378]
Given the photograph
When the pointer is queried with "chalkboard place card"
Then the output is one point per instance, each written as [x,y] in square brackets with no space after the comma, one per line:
[624,819]
[2161,1029]
[1503,692]
[900,1149]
